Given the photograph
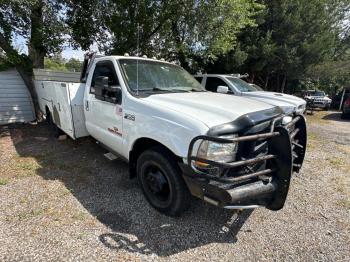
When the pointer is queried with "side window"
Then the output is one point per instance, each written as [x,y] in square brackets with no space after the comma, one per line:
[213,83]
[105,68]
[199,79]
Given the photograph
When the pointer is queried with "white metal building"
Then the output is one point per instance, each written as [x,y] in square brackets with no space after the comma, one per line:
[15,101]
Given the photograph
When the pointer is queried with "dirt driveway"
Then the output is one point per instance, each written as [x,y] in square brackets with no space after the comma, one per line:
[63,200]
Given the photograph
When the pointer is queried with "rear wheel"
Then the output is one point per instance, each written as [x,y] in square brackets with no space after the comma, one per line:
[162,184]
[56,132]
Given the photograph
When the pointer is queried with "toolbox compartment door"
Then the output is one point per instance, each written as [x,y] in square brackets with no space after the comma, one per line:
[61,108]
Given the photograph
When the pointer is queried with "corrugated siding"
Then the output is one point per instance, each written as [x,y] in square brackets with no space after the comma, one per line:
[56,76]
[15,101]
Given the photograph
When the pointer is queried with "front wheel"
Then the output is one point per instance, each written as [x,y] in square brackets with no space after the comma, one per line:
[161,182]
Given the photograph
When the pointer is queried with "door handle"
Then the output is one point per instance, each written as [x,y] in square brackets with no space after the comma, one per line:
[87,105]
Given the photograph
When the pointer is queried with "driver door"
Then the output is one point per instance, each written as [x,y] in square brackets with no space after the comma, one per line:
[104,118]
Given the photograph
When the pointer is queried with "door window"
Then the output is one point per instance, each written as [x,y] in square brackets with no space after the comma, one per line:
[212,83]
[105,68]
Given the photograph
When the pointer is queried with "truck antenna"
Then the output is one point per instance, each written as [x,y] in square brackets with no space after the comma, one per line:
[137,61]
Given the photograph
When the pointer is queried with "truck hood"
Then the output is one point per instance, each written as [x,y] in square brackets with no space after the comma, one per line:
[286,102]
[212,109]
[276,98]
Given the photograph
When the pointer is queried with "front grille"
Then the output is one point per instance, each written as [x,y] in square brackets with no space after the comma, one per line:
[261,172]
[251,150]
[251,159]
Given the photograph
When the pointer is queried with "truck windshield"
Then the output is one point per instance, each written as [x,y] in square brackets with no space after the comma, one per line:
[241,85]
[154,76]
[317,93]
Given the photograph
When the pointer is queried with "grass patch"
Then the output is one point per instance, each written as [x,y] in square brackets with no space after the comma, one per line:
[24,166]
[344,149]
[344,203]
[339,163]
[18,167]
[3,181]
[342,185]
[79,216]
[32,213]
[311,136]
[317,117]
[313,141]
[336,162]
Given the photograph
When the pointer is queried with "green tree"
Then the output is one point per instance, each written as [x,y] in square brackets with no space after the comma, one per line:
[190,31]
[40,23]
[55,62]
[74,65]
[291,37]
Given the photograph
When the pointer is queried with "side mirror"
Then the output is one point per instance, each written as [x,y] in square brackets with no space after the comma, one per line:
[113,94]
[222,89]
[101,84]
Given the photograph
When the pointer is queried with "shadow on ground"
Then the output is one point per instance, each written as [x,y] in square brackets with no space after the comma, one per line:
[335,116]
[104,189]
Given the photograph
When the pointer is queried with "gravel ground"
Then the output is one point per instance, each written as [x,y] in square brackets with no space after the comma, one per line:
[63,200]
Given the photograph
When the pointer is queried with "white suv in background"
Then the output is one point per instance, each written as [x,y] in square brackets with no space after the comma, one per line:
[318,99]
[232,84]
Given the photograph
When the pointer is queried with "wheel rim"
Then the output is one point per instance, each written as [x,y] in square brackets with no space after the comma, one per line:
[156,183]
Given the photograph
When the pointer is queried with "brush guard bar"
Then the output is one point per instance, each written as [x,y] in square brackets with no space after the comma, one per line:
[267,186]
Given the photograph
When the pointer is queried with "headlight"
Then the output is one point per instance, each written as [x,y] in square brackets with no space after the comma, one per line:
[288,109]
[218,152]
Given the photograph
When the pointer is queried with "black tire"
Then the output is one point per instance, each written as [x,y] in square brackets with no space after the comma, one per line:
[48,117]
[56,132]
[161,182]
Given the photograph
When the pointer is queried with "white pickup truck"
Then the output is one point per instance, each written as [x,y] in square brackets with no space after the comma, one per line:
[234,85]
[178,139]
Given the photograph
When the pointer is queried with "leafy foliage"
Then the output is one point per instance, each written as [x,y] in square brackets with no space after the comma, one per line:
[39,22]
[176,30]
[291,37]
[281,44]
[57,63]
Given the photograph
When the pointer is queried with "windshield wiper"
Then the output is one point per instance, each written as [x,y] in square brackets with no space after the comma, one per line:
[198,90]
[154,89]
[157,89]
[187,90]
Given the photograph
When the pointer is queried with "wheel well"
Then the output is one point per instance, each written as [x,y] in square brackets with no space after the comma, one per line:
[47,110]
[141,145]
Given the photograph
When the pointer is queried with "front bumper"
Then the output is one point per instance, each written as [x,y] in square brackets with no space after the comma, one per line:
[262,180]
[320,104]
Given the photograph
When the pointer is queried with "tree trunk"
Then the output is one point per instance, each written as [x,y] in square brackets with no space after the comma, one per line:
[179,47]
[36,48]
[266,81]
[283,83]
[27,78]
